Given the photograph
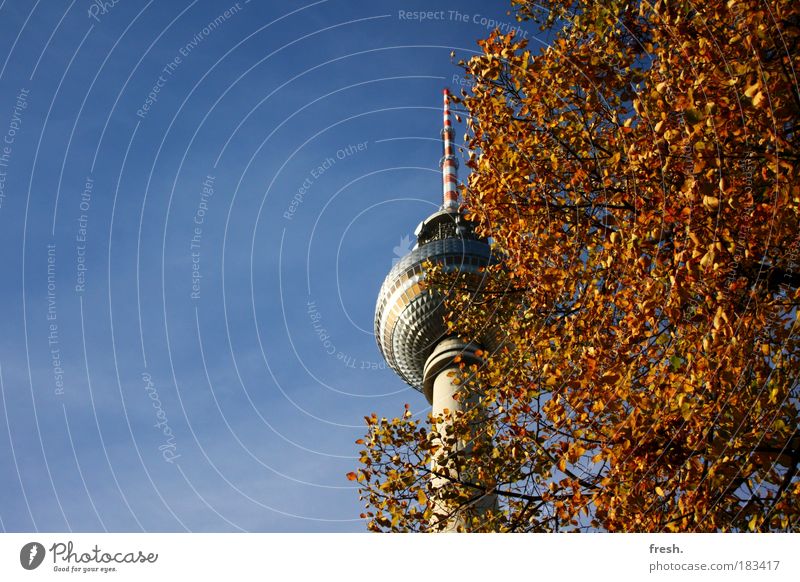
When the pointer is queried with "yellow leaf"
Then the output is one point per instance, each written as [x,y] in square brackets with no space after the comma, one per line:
[751,90]
[711,202]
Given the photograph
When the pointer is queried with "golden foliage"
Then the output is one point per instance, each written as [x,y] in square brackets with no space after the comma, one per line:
[640,177]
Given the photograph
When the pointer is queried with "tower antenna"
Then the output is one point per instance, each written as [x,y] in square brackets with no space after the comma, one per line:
[449,163]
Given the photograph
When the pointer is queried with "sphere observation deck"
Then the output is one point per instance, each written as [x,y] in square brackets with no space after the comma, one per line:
[409,318]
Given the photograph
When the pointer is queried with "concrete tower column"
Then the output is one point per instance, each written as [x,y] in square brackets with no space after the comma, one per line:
[440,389]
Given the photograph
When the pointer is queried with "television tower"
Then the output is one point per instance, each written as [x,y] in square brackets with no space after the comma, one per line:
[409,319]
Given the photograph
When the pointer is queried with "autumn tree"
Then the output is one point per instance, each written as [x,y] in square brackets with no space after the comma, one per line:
[639,176]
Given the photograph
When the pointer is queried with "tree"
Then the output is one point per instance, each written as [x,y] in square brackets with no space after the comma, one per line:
[640,177]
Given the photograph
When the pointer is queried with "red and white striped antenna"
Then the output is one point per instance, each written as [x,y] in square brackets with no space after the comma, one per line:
[449,162]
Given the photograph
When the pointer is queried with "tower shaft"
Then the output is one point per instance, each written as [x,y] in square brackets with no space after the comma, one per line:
[441,387]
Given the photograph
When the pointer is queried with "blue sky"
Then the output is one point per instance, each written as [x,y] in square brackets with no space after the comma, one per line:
[197,210]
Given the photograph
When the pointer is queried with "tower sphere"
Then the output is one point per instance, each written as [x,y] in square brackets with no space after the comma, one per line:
[410,319]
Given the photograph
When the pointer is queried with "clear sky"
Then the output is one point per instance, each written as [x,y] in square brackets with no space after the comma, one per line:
[198,203]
